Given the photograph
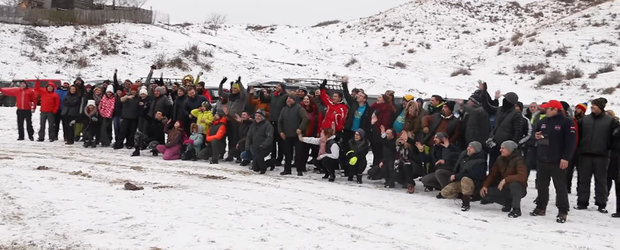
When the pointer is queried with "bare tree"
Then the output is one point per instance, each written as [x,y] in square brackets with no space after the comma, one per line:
[215,21]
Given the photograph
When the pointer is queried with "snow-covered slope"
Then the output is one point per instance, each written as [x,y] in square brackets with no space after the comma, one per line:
[412,48]
[195,205]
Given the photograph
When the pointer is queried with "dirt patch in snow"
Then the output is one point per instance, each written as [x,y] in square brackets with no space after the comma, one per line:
[80,173]
[42,168]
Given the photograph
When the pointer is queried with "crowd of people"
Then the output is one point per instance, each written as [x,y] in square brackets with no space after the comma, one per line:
[477,149]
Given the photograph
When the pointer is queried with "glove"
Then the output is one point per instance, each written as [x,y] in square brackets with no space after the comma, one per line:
[199,74]
[94,119]
[490,143]
[323,84]
[353,161]
[223,81]
[239,79]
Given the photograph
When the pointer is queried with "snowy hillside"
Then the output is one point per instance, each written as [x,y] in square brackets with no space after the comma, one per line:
[414,48]
[78,202]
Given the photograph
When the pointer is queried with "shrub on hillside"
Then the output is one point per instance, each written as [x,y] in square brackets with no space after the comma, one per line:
[82,62]
[400,65]
[461,71]
[552,78]
[351,62]
[606,69]
[537,69]
[608,91]
[573,73]
[177,62]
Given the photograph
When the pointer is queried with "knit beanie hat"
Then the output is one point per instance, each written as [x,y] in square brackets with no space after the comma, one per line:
[441,135]
[582,106]
[512,98]
[110,88]
[477,146]
[600,102]
[161,89]
[510,146]
[143,91]
[451,105]
[260,112]
[361,132]
[408,97]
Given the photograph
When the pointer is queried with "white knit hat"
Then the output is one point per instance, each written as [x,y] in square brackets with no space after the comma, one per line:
[143,91]
[91,102]
[110,88]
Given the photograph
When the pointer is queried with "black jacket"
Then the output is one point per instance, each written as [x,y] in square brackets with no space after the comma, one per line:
[178,109]
[473,167]
[276,102]
[292,118]
[260,136]
[449,155]
[353,106]
[130,107]
[477,124]
[559,139]
[595,134]
[71,105]
[507,125]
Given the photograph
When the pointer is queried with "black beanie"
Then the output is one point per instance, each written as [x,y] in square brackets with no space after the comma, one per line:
[600,102]
[451,105]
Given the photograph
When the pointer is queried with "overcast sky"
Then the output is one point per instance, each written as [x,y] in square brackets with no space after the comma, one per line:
[291,12]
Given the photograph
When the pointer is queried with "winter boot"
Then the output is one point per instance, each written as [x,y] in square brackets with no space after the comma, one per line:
[359,179]
[245,163]
[93,144]
[466,200]
[350,178]
[561,218]
[136,152]
[581,207]
[617,214]
[515,213]
[538,212]
[326,176]
[439,196]
[287,171]
[602,209]
[155,152]
[86,144]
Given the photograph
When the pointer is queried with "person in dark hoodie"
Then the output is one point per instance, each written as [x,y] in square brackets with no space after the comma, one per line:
[444,155]
[507,126]
[506,184]
[129,123]
[26,103]
[468,174]
[70,112]
[178,107]
[388,140]
[556,138]
[358,147]
[476,121]
[259,141]
[595,142]
[292,118]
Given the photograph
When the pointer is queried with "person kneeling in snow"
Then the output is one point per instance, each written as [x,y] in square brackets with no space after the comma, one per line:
[329,151]
[215,138]
[409,160]
[152,136]
[469,172]
[356,156]
[259,141]
[176,136]
[510,167]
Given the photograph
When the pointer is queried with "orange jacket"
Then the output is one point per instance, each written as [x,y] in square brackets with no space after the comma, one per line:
[217,131]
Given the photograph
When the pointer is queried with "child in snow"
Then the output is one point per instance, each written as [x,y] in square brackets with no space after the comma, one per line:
[176,136]
[356,156]
[215,138]
[90,120]
[194,143]
[204,116]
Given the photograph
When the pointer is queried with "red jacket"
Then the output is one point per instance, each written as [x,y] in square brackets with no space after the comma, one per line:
[384,112]
[335,114]
[26,99]
[217,131]
[50,101]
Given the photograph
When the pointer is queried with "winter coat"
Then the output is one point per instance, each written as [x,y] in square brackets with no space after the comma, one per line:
[559,140]
[473,167]
[311,112]
[194,103]
[449,155]
[50,101]
[359,149]
[292,118]
[276,101]
[595,134]
[217,131]
[159,104]
[511,168]
[507,125]
[106,107]
[71,105]
[90,119]
[244,128]
[439,123]
[178,110]
[130,107]
[335,114]
[203,119]
[260,137]
[477,124]
[353,107]
[258,103]
[61,96]
[236,102]
[25,98]
[332,150]
[384,113]
[176,137]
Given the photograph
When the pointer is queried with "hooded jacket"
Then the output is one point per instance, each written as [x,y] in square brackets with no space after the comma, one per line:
[260,135]
[507,124]
[71,105]
[50,101]
[473,167]
[511,168]
[335,114]
[203,119]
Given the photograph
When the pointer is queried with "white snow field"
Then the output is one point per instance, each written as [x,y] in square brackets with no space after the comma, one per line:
[195,205]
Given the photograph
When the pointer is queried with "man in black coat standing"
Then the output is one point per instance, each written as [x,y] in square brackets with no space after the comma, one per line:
[595,142]
[507,126]
[556,137]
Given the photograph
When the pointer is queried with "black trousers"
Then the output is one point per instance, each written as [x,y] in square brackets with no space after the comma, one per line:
[411,171]
[389,172]
[570,172]
[493,154]
[276,148]
[377,149]
[232,131]
[510,195]
[544,174]
[128,131]
[105,132]
[68,123]
[24,115]
[330,166]
[258,160]
[57,122]
[530,159]
[47,117]
[592,165]
[304,154]
[613,174]
[292,148]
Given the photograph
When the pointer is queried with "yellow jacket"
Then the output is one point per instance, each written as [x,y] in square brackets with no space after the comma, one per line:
[203,118]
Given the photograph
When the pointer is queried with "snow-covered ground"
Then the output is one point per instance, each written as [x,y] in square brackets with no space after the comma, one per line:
[195,205]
